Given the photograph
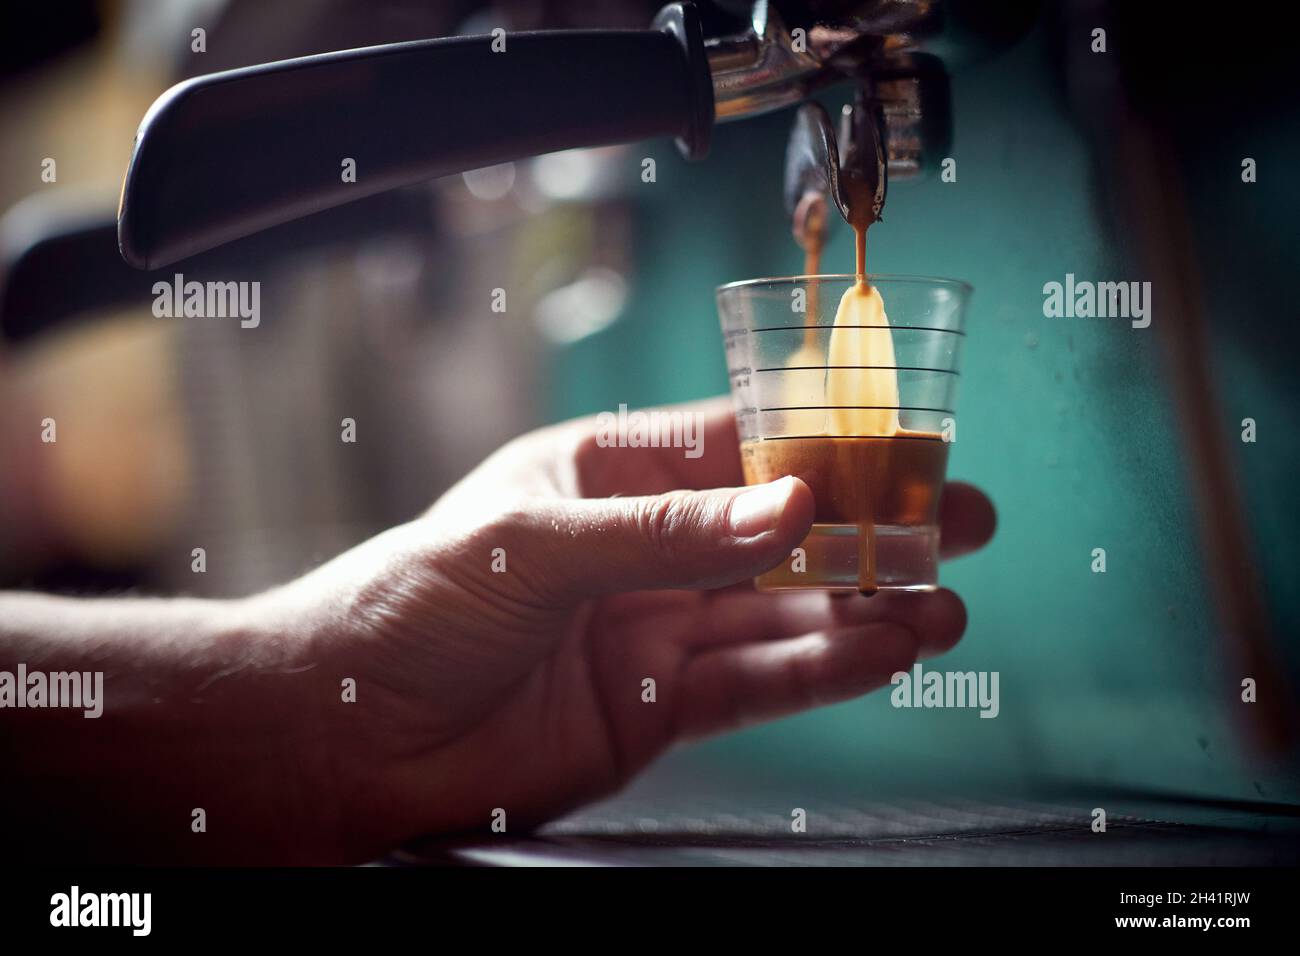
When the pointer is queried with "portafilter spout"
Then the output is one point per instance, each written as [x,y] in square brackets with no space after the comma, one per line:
[849,170]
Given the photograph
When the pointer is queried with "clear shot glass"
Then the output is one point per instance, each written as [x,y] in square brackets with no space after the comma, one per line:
[876,469]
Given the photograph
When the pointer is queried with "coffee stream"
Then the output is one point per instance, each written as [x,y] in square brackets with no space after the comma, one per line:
[862,387]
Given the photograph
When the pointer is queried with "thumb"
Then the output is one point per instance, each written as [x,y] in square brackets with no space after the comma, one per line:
[580,548]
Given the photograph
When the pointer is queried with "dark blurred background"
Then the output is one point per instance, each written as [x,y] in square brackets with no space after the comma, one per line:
[1087,433]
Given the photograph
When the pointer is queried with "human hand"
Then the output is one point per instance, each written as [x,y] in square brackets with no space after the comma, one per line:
[522,689]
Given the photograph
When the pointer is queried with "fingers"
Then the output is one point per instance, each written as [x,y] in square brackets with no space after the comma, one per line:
[720,462]
[575,549]
[966,514]
[711,461]
[729,687]
[967,519]
[938,618]
[663,538]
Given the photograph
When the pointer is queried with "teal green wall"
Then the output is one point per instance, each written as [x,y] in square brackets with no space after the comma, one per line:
[1105,678]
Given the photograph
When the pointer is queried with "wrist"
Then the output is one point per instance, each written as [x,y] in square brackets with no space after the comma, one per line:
[328,721]
[283,694]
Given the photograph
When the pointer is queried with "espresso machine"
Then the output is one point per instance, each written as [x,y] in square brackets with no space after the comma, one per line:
[225,155]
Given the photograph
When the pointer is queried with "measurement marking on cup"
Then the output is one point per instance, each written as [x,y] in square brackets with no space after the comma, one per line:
[832,325]
[894,408]
[824,437]
[820,368]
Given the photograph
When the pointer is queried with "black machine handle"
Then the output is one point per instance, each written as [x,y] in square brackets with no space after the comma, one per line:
[222,156]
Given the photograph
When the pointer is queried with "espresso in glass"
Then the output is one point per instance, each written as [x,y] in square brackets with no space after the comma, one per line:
[887,487]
